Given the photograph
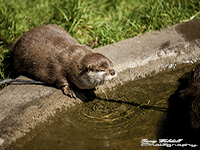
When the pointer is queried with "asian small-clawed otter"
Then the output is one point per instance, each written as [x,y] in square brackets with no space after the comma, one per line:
[194,86]
[49,54]
[190,99]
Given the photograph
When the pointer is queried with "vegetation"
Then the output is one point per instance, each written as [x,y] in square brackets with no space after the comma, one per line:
[93,23]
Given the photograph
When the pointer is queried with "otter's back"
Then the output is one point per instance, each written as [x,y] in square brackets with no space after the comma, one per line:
[33,51]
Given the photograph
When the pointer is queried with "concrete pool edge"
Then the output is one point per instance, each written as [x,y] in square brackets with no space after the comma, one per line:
[23,106]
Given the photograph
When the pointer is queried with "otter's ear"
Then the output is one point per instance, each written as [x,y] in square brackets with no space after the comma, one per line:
[90,68]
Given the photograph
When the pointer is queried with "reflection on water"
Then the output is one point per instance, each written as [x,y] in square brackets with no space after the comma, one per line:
[118,120]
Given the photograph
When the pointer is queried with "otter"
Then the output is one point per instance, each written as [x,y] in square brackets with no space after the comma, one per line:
[189,98]
[50,55]
[194,98]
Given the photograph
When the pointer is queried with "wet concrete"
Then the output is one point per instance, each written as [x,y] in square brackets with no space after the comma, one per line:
[188,32]
[23,106]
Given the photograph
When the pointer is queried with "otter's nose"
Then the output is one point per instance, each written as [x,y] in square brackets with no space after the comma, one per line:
[112,72]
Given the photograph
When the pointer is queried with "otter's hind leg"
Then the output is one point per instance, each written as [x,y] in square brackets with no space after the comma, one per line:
[63,84]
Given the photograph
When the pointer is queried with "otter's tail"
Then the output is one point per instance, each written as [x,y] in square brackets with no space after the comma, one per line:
[7,81]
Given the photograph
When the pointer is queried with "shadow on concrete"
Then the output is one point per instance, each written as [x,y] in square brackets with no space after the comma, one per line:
[190,31]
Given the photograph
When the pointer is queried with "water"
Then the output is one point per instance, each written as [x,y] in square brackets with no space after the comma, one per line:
[119,120]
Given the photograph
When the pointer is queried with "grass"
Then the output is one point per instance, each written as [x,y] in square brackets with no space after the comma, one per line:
[93,23]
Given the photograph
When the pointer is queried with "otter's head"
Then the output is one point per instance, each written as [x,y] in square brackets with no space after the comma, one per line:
[96,69]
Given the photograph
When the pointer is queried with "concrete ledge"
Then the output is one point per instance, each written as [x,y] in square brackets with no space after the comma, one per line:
[155,51]
[23,106]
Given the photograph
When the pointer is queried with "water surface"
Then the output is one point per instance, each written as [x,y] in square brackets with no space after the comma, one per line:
[119,120]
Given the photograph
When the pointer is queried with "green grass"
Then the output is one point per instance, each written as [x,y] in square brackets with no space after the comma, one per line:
[93,23]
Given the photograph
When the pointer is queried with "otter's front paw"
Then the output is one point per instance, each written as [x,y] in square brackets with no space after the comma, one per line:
[67,91]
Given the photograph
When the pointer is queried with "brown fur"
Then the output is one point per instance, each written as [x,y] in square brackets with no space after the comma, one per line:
[190,96]
[49,54]
[194,86]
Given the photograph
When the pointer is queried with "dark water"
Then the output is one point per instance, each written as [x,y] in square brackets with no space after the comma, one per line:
[118,121]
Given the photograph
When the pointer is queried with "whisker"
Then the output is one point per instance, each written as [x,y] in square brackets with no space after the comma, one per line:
[105,94]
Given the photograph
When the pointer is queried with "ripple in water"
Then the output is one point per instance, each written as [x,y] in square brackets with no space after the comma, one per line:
[112,118]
